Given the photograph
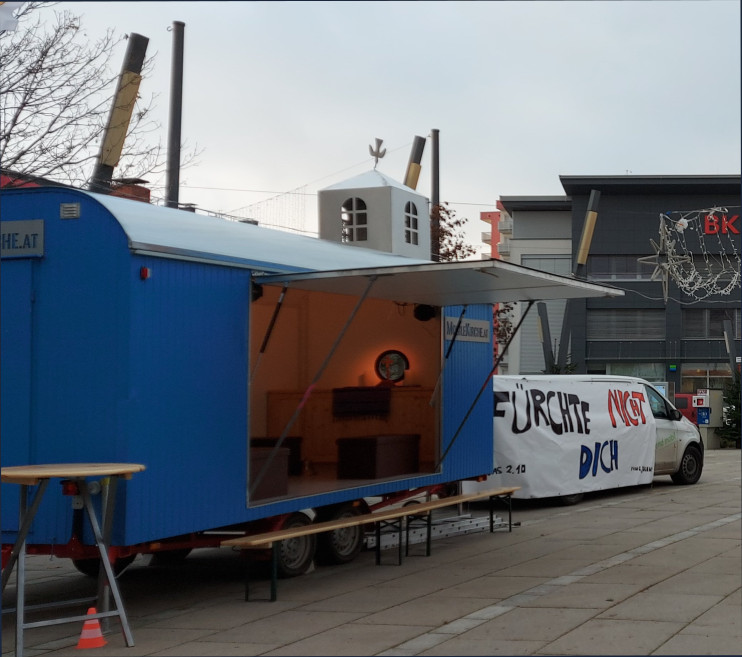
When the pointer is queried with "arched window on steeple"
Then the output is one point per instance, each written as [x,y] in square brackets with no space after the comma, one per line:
[410,223]
[355,220]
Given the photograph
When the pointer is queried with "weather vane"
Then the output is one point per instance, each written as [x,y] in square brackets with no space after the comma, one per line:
[379,152]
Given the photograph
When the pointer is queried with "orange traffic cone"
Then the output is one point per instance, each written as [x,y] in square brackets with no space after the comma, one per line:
[91,636]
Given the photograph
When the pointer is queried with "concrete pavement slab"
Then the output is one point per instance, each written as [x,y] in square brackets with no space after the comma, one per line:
[356,639]
[433,609]
[612,637]
[648,605]
[538,590]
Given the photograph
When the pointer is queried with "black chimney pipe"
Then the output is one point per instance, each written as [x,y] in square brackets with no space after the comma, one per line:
[176,107]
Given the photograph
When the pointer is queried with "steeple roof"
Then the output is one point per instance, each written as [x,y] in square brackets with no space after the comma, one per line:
[369,179]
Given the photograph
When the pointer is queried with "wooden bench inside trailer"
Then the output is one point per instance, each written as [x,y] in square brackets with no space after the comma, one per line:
[386,518]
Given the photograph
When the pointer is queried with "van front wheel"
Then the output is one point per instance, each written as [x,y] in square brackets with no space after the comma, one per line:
[690,467]
[570,500]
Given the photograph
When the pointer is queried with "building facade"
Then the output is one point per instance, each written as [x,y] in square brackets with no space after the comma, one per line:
[681,329]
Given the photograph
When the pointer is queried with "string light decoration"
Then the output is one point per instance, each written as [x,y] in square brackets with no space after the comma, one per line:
[698,249]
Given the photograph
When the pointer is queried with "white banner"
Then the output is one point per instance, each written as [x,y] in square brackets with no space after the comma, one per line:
[565,437]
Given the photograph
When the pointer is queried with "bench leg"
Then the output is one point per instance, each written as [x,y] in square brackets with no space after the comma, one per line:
[492,511]
[397,525]
[411,523]
[401,540]
[274,573]
[274,570]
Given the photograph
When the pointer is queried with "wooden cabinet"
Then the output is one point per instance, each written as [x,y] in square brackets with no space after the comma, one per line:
[410,412]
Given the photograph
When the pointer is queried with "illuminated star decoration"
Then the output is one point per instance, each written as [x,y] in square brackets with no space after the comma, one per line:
[665,260]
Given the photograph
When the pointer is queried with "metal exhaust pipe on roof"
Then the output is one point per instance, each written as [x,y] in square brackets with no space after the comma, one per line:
[413,166]
[120,116]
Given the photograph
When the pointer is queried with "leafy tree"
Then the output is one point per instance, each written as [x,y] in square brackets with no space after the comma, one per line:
[56,89]
[446,232]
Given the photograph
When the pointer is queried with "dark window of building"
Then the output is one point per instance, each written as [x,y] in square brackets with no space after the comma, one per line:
[618,268]
[708,323]
[355,220]
[626,324]
[695,376]
[410,223]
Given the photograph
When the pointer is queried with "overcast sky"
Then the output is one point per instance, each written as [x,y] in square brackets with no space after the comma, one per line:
[286,96]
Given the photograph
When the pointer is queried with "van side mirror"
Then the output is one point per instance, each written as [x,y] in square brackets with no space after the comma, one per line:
[675,415]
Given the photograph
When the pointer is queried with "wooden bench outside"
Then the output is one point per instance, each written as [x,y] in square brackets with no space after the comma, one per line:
[386,518]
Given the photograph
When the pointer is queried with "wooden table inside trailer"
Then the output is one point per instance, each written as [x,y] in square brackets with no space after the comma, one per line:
[39,476]
[387,518]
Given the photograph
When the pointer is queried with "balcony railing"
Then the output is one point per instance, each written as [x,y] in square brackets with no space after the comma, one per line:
[505,225]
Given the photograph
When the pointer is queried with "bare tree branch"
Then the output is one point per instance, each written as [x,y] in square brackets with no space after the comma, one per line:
[56,89]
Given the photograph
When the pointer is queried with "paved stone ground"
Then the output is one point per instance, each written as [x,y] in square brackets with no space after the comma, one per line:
[654,570]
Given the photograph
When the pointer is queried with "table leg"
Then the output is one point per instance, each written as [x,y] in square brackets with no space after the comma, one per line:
[108,500]
[18,558]
[105,562]
[24,524]
[20,576]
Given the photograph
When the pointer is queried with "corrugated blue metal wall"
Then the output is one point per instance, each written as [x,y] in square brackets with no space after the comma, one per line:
[186,414]
[466,372]
[99,365]
[74,365]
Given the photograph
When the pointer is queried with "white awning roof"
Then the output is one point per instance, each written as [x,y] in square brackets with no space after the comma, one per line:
[446,284]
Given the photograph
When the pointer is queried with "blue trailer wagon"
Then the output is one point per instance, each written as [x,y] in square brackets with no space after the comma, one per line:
[257,374]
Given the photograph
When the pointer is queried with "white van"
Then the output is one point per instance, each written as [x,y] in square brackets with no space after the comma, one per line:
[564,435]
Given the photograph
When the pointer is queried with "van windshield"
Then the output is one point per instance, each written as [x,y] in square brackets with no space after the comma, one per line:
[657,403]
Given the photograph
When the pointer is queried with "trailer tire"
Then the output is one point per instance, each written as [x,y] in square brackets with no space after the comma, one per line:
[295,555]
[340,545]
[570,500]
[90,567]
[691,466]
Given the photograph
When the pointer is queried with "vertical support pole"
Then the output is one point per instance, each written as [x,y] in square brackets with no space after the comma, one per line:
[434,198]
[176,106]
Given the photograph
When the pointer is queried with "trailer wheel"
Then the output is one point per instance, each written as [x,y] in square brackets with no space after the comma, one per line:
[340,545]
[690,467]
[295,555]
[90,567]
[169,557]
[570,500]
